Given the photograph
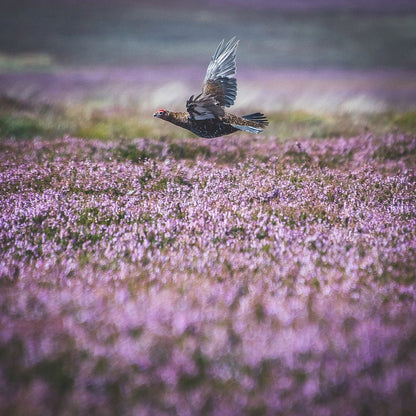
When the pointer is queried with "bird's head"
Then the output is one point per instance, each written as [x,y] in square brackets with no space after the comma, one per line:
[161,113]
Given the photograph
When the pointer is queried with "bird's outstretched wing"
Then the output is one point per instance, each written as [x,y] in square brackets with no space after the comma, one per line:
[219,80]
[204,107]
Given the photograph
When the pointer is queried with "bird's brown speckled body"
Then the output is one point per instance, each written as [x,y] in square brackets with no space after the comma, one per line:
[205,114]
[213,127]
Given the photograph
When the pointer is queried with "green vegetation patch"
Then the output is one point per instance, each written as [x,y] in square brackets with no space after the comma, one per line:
[27,119]
[20,126]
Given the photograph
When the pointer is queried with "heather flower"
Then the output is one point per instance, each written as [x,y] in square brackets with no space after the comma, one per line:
[272,284]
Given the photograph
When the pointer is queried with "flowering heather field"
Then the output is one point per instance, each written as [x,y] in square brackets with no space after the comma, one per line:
[219,277]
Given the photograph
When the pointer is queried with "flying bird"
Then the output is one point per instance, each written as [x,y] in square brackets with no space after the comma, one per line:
[205,115]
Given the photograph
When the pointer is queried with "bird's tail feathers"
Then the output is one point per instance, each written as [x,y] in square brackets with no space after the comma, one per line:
[257,118]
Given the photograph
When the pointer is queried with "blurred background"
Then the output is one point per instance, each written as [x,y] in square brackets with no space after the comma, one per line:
[66,61]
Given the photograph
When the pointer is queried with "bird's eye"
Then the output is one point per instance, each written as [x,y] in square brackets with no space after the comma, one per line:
[161,112]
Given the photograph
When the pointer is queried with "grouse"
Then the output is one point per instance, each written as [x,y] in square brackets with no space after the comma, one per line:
[205,114]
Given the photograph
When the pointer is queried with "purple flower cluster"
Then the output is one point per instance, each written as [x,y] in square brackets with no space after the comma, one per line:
[282,283]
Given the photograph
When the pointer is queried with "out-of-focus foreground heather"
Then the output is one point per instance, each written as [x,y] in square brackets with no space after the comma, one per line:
[144,271]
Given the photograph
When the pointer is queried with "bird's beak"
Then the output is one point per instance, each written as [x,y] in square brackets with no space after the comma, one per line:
[154,114]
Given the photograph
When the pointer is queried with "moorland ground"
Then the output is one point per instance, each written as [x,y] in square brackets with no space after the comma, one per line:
[173,275]
[145,271]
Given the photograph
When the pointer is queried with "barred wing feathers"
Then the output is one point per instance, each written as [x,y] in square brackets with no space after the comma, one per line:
[219,80]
